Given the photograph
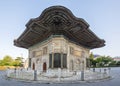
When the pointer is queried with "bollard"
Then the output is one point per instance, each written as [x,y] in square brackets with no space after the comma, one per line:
[105,71]
[109,70]
[82,75]
[8,72]
[100,70]
[93,69]
[15,71]
[59,74]
[35,75]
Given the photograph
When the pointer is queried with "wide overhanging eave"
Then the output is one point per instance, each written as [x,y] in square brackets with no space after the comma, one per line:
[76,29]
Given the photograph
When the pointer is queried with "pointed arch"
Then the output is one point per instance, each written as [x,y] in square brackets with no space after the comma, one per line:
[44,67]
[33,66]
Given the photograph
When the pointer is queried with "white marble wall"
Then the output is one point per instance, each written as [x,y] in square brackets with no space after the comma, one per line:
[59,44]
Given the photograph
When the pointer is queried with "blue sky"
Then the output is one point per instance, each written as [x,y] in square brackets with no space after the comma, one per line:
[102,15]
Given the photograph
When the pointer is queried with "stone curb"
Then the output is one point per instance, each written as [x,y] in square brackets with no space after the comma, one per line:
[61,82]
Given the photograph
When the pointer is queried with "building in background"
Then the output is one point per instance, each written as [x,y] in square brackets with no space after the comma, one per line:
[117,58]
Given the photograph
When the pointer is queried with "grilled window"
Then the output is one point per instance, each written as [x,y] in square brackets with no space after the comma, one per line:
[58,60]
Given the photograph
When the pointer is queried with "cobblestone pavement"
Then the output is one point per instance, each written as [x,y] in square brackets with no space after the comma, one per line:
[115,81]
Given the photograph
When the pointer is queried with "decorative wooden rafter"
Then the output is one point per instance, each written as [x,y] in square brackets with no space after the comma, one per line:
[58,20]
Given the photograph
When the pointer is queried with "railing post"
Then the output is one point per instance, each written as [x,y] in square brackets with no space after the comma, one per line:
[82,75]
[93,69]
[15,72]
[8,72]
[109,70]
[59,74]
[82,72]
[35,75]
[105,71]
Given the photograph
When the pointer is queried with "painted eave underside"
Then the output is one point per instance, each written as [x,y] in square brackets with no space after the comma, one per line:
[58,20]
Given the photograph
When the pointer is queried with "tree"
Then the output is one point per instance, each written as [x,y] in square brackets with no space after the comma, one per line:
[106,60]
[113,63]
[92,61]
[91,56]
[1,63]
[7,61]
[99,61]
[118,63]
[18,61]
[103,61]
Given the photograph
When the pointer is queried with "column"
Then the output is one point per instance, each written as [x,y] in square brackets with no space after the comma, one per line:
[61,60]
[52,59]
[52,55]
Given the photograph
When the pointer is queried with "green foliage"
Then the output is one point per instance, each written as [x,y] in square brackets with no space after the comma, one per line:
[102,61]
[112,63]
[118,63]
[1,63]
[92,61]
[18,61]
[91,56]
[8,61]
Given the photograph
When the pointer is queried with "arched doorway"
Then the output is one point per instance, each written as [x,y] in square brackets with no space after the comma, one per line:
[44,67]
[33,66]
